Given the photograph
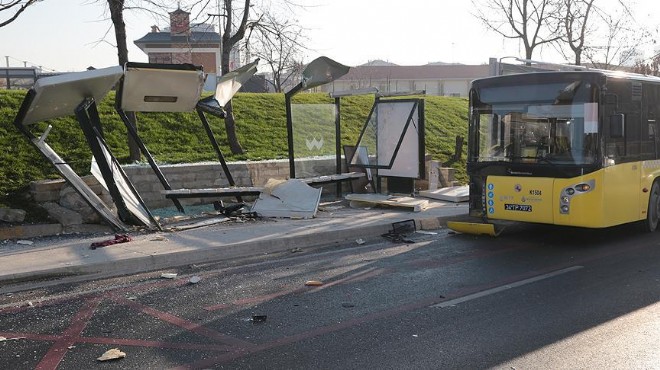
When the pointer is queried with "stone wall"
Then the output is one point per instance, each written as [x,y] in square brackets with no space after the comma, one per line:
[59,198]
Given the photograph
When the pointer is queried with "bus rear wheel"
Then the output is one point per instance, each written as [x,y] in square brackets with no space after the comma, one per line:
[653,212]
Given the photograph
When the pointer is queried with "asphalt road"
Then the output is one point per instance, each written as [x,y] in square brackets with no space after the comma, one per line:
[535,297]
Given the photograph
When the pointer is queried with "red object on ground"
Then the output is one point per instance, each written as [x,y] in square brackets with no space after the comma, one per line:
[119,238]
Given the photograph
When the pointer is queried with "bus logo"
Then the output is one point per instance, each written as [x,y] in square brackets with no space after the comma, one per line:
[517,188]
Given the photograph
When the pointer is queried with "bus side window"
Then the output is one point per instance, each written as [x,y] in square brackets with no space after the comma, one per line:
[617,126]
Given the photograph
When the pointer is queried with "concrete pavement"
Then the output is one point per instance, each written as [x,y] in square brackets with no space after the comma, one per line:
[70,256]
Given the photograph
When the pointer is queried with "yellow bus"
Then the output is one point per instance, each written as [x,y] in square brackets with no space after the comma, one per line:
[578,148]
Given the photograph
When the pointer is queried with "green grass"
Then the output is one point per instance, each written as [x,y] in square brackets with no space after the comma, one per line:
[180,137]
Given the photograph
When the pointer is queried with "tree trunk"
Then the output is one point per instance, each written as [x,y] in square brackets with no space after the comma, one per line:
[228,42]
[117,15]
[230,126]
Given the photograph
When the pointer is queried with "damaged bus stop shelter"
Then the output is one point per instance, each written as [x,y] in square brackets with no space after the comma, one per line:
[177,88]
[76,94]
[313,130]
[392,141]
[144,87]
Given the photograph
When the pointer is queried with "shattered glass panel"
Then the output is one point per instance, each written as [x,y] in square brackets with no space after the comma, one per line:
[392,120]
[368,144]
[390,138]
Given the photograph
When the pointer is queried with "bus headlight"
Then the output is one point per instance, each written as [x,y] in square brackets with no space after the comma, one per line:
[564,209]
[583,187]
[564,199]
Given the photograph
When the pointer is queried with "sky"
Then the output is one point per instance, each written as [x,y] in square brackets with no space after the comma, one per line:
[68,35]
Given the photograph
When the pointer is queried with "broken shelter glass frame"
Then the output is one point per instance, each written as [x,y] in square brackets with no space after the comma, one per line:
[76,94]
[177,88]
[394,131]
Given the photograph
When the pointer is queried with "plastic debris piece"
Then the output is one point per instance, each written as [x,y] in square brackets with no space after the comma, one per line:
[5,339]
[168,275]
[424,232]
[112,354]
[360,241]
[259,318]
[119,238]
[158,238]
[30,304]
[24,242]
[296,250]
[313,283]
[348,305]
[195,279]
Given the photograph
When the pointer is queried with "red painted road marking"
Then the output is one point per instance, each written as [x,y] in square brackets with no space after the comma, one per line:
[182,323]
[78,323]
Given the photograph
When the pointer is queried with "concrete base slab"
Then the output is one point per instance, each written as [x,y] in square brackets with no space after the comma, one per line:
[450,194]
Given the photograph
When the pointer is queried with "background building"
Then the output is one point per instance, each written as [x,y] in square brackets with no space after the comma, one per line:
[436,78]
[182,42]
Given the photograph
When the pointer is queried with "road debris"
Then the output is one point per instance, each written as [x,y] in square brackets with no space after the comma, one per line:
[360,241]
[5,339]
[348,305]
[112,354]
[168,275]
[313,283]
[195,279]
[24,242]
[296,250]
[400,231]
[119,238]
[259,318]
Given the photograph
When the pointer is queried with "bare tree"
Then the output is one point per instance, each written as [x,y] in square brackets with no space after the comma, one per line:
[618,38]
[652,67]
[533,22]
[233,33]
[276,42]
[14,8]
[116,8]
[235,15]
[577,26]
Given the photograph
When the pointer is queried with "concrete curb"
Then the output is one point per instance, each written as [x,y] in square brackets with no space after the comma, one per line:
[40,230]
[176,259]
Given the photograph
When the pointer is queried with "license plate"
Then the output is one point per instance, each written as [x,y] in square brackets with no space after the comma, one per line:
[518,207]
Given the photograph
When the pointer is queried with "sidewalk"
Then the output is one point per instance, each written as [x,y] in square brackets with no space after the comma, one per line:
[71,257]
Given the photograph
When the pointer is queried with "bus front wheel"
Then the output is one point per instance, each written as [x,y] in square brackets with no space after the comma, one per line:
[653,212]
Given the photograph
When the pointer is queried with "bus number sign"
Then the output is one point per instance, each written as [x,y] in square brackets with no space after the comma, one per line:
[518,207]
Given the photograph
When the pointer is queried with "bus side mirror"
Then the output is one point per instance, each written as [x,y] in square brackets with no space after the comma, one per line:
[617,125]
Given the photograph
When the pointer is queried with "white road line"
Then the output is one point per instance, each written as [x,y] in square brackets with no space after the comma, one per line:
[498,289]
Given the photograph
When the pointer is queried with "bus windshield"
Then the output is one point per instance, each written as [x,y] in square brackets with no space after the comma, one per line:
[542,123]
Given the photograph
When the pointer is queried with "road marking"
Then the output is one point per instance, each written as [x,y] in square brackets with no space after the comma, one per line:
[483,293]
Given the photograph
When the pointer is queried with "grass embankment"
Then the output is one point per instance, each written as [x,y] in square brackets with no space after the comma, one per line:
[180,137]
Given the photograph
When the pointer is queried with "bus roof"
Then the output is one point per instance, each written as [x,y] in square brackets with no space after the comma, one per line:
[596,75]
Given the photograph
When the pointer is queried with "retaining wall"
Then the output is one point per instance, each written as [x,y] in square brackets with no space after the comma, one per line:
[195,176]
